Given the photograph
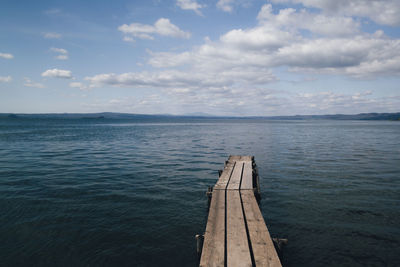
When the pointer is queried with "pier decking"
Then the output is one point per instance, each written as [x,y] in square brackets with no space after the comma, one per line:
[236,234]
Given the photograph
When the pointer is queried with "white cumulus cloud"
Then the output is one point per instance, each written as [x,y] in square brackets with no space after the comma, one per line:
[235,73]
[51,35]
[62,53]
[78,85]
[190,5]
[61,57]
[193,81]
[29,83]
[290,19]
[56,73]
[162,27]
[225,5]
[6,55]
[59,50]
[5,79]
[383,12]
[338,46]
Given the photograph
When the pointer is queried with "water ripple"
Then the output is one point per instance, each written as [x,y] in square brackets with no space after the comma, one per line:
[83,193]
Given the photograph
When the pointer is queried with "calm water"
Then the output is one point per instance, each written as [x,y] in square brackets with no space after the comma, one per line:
[112,193]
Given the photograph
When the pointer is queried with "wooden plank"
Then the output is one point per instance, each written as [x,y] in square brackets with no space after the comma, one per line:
[238,252]
[247,178]
[240,158]
[234,183]
[225,175]
[247,158]
[234,158]
[263,249]
[213,253]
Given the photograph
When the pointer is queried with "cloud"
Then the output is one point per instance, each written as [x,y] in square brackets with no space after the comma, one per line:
[252,101]
[59,50]
[78,85]
[225,5]
[51,35]
[167,60]
[290,18]
[361,56]
[146,79]
[30,83]
[162,27]
[62,57]
[190,5]
[6,55]
[264,38]
[128,39]
[338,47]
[52,11]
[5,79]
[236,73]
[193,81]
[62,53]
[328,102]
[383,12]
[56,73]
[142,104]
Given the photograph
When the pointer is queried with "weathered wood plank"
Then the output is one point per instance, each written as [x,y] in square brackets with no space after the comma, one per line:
[240,158]
[213,253]
[234,183]
[234,158]
[263,249]
[247,158]
[238,252]
[247,178]
[225,175]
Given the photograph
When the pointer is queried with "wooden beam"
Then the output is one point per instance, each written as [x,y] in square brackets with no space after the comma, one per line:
[238,252]
[213,253]
[225,175]
[247,179]
[236,176]
[262,246]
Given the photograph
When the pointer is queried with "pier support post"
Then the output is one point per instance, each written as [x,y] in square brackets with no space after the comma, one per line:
[279,243]
[199,244]
[256,182]
[209,195]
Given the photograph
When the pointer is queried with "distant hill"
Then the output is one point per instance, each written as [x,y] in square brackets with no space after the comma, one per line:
[361,116]
[200,116]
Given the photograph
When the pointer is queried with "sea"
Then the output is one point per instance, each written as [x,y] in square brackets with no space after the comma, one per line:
[115,192]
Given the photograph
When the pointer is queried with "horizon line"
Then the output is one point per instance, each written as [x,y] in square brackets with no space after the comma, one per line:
[193,114]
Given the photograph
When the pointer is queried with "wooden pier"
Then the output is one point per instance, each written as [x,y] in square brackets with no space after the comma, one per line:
[236,234]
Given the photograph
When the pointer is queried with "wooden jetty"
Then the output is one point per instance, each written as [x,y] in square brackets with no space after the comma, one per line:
[236,234]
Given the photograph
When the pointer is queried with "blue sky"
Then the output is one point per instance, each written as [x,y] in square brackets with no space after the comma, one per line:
[222,57]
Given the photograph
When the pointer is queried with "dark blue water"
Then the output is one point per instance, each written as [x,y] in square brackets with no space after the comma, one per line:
[82,192]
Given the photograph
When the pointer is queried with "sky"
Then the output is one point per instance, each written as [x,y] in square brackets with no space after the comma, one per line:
[221,57]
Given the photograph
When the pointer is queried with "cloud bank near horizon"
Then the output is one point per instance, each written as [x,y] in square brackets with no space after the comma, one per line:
[274,65]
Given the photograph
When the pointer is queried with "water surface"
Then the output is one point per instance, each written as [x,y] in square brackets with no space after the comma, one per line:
[84,192]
